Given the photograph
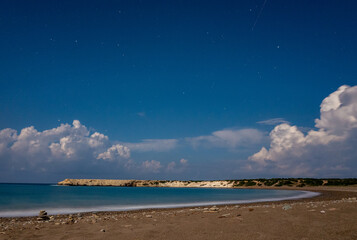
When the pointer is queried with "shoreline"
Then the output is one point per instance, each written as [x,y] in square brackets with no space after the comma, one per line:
[335,209]
[303,194]
[323,193]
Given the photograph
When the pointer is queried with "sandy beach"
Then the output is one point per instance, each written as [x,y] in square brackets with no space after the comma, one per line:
[331,215]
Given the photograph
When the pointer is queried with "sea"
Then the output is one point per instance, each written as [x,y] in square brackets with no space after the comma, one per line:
[28,199]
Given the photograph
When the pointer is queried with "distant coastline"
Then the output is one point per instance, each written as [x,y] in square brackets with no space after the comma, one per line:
[243,183]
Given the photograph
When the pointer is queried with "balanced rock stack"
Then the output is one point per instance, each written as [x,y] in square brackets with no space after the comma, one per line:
[42,216]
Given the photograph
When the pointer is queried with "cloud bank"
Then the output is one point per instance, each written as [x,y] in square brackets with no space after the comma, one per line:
[33,149]
[156,145]
[328,150]
[228,138]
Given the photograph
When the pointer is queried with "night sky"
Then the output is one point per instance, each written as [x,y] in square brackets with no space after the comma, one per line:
[177,89]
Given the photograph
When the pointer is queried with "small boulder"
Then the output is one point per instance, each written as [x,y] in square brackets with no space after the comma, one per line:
[214,208]
[287,207]
[42,216]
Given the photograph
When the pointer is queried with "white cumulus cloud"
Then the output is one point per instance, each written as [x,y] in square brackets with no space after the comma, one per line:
[115,152]
[151,166]
[177,167]
[33,149]
[329,148]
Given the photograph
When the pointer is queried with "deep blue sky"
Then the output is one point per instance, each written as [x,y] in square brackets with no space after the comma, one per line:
[136,70]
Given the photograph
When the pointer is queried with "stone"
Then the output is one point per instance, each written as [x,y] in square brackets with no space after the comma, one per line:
[148,216]
[287,207]
[42,213]
[42,216]
[214,208]
[322,212]
[102,230]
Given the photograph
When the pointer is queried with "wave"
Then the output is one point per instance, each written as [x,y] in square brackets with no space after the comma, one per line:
[69,210]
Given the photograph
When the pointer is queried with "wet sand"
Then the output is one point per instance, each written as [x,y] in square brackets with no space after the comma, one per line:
[331,215]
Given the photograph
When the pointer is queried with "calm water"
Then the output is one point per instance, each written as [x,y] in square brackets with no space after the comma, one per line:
[28,199]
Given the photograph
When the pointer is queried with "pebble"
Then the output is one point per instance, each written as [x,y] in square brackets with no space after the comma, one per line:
[148,216]
[102,230]
[322,212]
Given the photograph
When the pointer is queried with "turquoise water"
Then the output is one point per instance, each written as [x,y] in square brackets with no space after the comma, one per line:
[28,199]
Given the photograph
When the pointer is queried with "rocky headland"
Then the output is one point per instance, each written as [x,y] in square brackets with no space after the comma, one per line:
[146,183]
[251,183]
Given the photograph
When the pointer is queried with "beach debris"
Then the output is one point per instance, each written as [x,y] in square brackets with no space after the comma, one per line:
[42,216]
[322,211]
[148,216]
[102,230]
[287,207]
[52,219]
[224,215]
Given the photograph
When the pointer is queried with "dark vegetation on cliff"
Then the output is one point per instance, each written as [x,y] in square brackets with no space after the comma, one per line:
[299,182]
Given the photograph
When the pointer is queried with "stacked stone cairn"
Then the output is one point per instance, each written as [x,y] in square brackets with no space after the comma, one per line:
[42,216]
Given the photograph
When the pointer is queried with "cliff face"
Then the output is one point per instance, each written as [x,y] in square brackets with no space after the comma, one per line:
[145,183]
